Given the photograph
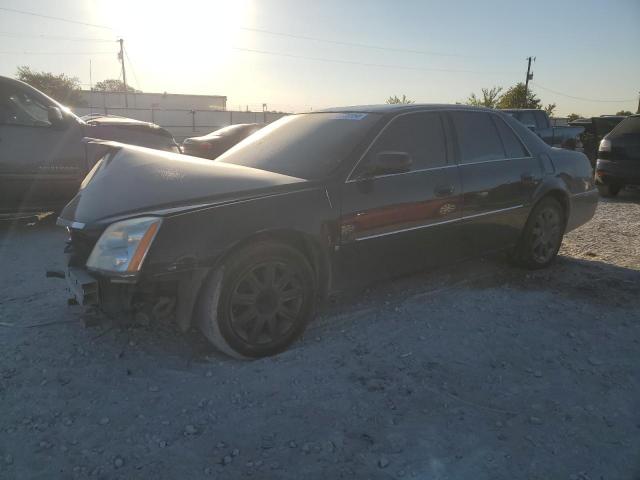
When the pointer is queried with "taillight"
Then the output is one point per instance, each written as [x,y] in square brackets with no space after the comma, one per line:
[605,145]
[205,146]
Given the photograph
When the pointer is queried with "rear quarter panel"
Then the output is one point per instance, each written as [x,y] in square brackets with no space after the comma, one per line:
[573,176]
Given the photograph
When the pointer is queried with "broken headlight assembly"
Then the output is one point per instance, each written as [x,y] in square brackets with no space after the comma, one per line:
[123,246]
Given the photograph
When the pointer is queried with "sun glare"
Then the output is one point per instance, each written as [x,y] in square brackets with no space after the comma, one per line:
[195,38]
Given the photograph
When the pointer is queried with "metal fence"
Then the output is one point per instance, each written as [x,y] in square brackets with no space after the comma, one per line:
[184,123]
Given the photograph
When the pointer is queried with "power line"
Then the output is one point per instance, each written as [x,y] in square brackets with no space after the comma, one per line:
[55,37]
[349,62]
[268,32]
[126,54]
[56,53]
[50,17]
[354,44]
[583,98]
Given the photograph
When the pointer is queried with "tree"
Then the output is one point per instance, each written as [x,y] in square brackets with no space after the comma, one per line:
[489,99]
[113,85]
[624,112]
[573,116]
[550,108]
[514,98]
[60,87]
[395,100]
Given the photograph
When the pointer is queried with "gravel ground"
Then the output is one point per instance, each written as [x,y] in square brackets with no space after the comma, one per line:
[479,371]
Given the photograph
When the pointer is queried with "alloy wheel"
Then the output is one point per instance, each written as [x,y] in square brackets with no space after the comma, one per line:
[266,302]
[546,234]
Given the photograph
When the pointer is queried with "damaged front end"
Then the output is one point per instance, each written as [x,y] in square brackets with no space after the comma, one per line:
[127,296]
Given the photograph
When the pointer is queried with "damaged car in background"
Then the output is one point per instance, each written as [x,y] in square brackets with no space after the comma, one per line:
[247,247]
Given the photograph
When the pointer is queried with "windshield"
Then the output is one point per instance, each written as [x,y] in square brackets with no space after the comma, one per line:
[308,146]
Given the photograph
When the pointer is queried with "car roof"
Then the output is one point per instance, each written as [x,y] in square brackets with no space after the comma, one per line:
[395,108]
[520,110]
[113,120]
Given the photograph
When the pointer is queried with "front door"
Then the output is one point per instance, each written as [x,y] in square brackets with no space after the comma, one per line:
[41,165]
[498,176]
[394,223]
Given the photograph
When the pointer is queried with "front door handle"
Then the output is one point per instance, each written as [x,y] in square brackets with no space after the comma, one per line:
[527,178]
[444,191]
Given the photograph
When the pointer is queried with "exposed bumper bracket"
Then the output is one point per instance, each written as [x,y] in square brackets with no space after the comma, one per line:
[83,286]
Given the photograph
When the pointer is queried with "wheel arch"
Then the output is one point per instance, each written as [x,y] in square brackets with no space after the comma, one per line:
[554,190]
[304,243]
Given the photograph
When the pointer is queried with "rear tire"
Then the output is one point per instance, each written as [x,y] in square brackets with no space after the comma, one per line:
[259,302]
[609,191]
[542,235]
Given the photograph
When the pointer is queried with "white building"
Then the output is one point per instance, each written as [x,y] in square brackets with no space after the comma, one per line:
[160,101]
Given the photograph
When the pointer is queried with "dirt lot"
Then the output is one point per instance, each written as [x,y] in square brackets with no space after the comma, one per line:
[480,371]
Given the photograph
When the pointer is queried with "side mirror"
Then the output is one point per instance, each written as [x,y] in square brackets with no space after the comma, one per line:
[386,163]
[531,127]
[55,117]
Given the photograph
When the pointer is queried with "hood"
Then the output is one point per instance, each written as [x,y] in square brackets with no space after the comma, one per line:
[133,180]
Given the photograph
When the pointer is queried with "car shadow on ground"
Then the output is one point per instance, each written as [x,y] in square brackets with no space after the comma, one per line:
[589,280]
[586,281]
[626,195]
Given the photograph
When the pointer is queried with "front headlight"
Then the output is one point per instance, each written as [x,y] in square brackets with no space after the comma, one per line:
[124,245]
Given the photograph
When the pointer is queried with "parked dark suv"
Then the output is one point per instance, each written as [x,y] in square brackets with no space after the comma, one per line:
[619,158]
[43,157]
[246,246]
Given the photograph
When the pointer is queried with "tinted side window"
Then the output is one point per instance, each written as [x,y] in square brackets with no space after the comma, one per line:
[421,135]
[541,120]
[512,144]
[20,108]
[477,137]
[526,118]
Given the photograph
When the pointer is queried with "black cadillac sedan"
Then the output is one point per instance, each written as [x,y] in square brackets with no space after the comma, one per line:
[247,246]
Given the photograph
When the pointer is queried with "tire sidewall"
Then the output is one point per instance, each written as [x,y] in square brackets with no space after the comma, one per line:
[525,250]
[233,268]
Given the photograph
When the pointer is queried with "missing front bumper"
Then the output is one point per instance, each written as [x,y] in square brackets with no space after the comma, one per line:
[83,286]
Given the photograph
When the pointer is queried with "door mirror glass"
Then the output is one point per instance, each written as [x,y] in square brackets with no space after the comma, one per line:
[55,116]
[385,163]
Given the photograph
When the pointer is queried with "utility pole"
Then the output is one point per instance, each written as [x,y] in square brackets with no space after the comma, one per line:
[526,83]
[638,111]
[124,73]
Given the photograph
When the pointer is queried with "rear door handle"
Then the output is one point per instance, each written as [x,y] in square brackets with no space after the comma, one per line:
[444,191]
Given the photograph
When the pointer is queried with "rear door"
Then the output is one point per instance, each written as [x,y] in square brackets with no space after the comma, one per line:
[40,165]
[400,222]
[498,178]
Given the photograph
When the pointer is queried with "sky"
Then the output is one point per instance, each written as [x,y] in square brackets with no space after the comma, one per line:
[297,55]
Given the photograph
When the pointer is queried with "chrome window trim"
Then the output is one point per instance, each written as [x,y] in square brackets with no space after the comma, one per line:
[362,179]
[492,161]
[444,222]
[382,130]
[350,179]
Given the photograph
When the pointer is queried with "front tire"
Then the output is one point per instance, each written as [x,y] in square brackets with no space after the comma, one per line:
[609,191]
[259,302]
[542,235]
